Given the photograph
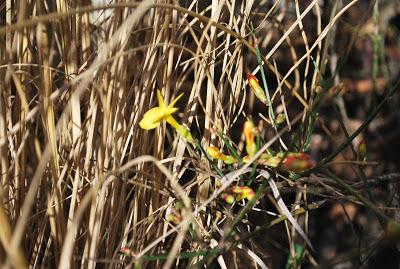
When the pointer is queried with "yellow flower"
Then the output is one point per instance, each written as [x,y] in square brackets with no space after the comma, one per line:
[216,154]
[255,86]
[153,117]
[248,130]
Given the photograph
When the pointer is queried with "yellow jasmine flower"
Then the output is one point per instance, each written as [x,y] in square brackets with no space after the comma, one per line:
[153,117]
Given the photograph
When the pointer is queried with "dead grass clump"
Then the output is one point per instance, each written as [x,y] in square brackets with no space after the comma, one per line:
[85,180]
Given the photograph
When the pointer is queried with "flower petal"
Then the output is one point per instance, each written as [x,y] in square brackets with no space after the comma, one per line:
[160,99]
[175,100]
[216,154]
[152,118]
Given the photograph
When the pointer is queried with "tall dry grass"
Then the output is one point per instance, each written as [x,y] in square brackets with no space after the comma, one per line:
[80,180]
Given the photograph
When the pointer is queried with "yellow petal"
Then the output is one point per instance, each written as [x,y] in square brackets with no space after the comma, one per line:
[215,153]
[152,118]
[160,99]
[175,100]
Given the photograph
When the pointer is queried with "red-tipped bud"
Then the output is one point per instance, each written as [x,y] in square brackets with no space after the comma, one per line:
[256,88]
[248,131]
[297,162]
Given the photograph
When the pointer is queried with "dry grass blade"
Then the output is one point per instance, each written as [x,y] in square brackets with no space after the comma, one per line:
[284,209]
[323,34]
[16,257]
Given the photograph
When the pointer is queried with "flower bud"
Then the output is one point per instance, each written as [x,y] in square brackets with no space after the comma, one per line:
[256,88]
[297,162]
[280,118]
[227,197]
[216,154]
[243,192]
[249,130]
[362,151]
[127,252]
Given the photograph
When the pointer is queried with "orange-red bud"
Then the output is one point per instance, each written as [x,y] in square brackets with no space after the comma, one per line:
[256,88]
[297,162]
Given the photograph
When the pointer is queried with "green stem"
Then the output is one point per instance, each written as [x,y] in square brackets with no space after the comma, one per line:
[263,228]
[264,80]
[366,202]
